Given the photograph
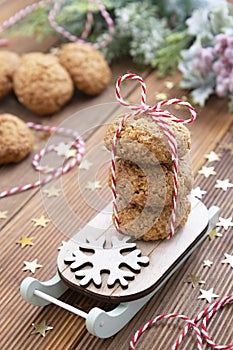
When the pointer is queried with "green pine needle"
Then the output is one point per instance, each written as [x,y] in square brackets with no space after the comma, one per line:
[168,56]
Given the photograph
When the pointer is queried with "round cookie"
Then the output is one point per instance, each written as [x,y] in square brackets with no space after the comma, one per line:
[9,62]
[151,186]
[16,139]
[142,141]
[152,224]
[42,84]
[87,67]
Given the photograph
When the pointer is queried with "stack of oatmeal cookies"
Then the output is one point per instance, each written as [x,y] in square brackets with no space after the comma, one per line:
[144,177]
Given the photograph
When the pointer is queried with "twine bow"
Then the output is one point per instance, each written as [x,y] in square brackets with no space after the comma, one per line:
[160,116]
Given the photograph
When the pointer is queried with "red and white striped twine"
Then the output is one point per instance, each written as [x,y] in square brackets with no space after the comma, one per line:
[207,314]
[20,15]
[51,17]
[159,115]
[54,173]
[88,25]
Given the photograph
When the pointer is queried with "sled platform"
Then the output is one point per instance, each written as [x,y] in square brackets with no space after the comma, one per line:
[100,264]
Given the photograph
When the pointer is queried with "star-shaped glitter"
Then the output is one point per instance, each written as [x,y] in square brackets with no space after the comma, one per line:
[41,328]
[207,263]
[52,192]
[197,192]
[228,260]
[95,185]
[24,241]
[3,214]
[85,165]
[223,184]
[62,149]
[225,223]
[214,233]
[169,84]
[212,157]
[42,221]
[207,171]
[194,280]
[31,266]
[72,153]
[228,147]
[208,294]
[161,96]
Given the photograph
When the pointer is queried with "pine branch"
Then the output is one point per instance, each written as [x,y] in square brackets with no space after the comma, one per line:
[168,56]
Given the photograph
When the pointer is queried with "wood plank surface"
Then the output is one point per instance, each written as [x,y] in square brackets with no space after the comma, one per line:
[211,131]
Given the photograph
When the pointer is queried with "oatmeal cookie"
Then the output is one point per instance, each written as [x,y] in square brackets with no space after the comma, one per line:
[16,139]
[151,224]
[42,84]
[9,62]
[87,67]
[151,186]
[142,141]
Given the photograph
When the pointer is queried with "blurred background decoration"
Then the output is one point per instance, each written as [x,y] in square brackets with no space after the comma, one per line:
[163,34]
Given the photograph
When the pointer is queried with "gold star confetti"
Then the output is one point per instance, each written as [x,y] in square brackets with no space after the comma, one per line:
[41,328]
[85,165]
[95,185]
[62,149]
[31,266]
[72,153]
[207,171]
[208,294]
[52,192]
[194,280]
[42,221]
[198,193]
[161,96]
[207,263]
[223,184]
[212,157]
[225,223]
[169,84]
[184,98]
[228,147]
[3,214]
[228,260]
[214,233]
[54,50]
[24,241]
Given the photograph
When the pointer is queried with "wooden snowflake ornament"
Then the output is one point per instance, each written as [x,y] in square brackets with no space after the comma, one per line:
[88,261]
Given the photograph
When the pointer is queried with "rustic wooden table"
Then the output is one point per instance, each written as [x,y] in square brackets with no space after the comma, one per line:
[212,130]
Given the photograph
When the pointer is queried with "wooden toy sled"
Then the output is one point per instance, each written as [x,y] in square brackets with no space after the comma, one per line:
[100,263]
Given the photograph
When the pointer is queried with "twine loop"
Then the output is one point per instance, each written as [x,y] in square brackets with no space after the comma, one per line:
[203,333]
[53,173]
[57,5]
[88,24]
[160,116]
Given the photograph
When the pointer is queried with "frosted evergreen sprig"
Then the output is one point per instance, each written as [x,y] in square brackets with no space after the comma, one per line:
[207,66]
[152,32]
